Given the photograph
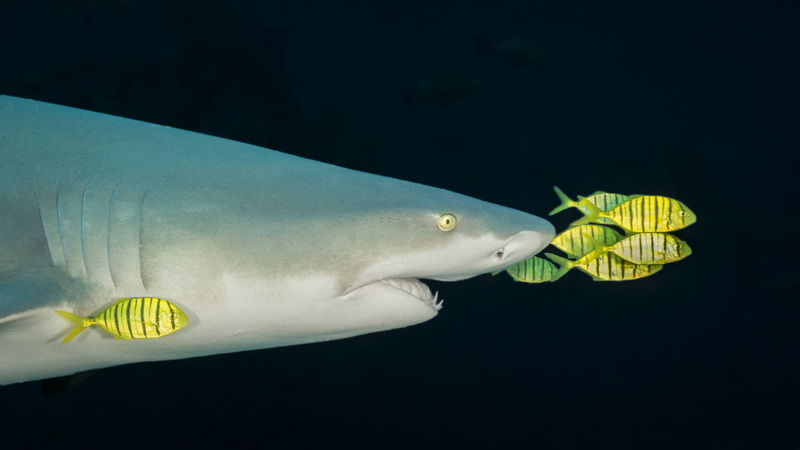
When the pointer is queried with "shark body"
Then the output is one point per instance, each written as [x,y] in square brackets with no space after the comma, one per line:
[259,248]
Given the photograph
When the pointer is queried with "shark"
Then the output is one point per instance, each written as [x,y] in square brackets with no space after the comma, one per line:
[259,248]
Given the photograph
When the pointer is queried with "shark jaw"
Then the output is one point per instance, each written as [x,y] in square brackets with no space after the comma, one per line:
[416,289]
[460,260]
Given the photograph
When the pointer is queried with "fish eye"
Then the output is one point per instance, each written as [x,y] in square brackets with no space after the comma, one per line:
[446,222]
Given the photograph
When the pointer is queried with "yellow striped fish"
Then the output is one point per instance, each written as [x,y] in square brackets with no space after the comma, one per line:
[132,318]
[603,200]
[574,242]
[647,213]
[604,267]
[648,248]
[532,270]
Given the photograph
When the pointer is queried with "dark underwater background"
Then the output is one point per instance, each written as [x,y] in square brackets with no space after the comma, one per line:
[695,100]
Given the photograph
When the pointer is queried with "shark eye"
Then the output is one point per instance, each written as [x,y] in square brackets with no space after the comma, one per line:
[446,222]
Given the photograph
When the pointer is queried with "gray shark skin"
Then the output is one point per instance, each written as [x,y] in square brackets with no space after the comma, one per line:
[259,248]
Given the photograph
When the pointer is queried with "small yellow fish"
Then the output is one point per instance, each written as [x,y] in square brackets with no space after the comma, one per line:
[647,248]
[532,270]
[603,200]
[646,213]
[574,243]
[604,266]
[132,318]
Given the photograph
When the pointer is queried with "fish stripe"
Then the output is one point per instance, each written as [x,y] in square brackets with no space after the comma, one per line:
[143,318]
[654,222]
[630,215]
[652,217]
[171,316]
[105,319]
[128,317]
[616,267]
[656,218]
[655,247]
[136,317]
[643,210]
[641,248]
[658,246]
[132,308]
[640,244]
[116,320]
[158,317]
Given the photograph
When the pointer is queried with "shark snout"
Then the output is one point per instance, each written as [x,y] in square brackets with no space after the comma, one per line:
[523,245]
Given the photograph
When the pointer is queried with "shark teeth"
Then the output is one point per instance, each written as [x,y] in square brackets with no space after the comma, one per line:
[417,289]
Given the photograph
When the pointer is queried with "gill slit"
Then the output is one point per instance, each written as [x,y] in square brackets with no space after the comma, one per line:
[83,232]
[44,229]
[61,231]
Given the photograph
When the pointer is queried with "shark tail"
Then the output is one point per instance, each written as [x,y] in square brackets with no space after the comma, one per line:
[81,323]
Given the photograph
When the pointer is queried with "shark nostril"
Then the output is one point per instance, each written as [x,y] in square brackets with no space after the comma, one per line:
[500,254]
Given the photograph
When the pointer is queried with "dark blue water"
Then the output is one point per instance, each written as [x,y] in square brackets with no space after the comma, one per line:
[696,100]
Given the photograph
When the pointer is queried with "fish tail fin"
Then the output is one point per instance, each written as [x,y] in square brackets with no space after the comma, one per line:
[564,265]
[81,323]
[590,216]
[566,202]
[599,249]
[596,245]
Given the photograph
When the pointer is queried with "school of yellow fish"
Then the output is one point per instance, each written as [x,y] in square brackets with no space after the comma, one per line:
[595,247]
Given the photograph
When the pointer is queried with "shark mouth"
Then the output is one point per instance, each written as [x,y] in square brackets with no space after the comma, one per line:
[417,289]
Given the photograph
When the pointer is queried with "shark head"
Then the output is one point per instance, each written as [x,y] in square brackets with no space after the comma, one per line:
[346,256]
[459,239]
